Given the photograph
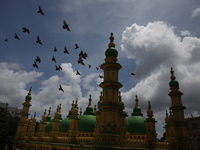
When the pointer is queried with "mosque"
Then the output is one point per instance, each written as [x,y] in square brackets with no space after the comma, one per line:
[106,126]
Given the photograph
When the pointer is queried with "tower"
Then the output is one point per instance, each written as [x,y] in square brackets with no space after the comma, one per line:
[151,128]
[176,125]
[23,123]
[73,128]
[110,118]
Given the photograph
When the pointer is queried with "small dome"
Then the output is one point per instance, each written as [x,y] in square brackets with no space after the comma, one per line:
[111,51]
[28,97]
[88,120]
[136,124]
[86,123]
[173,83]
[64,125]
[48,126]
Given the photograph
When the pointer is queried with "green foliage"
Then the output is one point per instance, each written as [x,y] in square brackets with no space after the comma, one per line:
[8,128]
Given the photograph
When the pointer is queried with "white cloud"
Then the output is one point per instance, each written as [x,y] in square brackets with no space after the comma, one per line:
[13,83]
[196,12]
[156,48]
[185,33]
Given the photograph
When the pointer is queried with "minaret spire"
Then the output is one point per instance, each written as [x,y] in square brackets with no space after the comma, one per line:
[136,102]
[111,44]
[172,74]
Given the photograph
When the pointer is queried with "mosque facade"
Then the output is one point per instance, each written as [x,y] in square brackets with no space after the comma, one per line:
[106,126]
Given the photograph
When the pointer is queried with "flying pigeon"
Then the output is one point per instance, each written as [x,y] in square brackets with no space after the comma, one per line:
[38,40]
[77,72]
[66,26]
[76,46]
[97,68]
[80,61]
[16,37]
[40,11]
[101,77]
[6,40]
[38,59]
[55,50]
[25,30]
[89,66]
[132,73]
[60,88]
[35,65]
[53,59]
[65,50]
[58,68]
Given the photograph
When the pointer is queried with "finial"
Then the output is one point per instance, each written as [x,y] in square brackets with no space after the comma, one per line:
[136,102]
[59,108]
[80,111]
[34,114]
[111,44]
[29,93]
[49,111]
[149,105]
[73,104]
[76,102]
[45,111]
[90,99]
[172,74]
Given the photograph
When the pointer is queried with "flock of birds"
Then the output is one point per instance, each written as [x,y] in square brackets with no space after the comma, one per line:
[82,55]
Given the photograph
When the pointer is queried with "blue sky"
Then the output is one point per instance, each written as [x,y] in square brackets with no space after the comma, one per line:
[150,36]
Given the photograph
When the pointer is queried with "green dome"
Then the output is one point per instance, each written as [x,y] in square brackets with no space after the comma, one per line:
[48,126]
[136,124]
[173,83]
[64,125]
[28,97]
[86,123]
[111,51]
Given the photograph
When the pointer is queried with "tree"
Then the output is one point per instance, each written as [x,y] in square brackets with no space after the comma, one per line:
[8,128]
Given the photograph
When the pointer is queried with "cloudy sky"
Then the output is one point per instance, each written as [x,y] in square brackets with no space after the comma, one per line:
[150,36]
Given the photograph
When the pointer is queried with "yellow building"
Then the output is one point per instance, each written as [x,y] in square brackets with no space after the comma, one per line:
[107,126]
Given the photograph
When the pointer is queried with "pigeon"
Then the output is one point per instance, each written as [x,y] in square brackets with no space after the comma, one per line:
[16,37]
[38,59]
[58,68]
[132,73]
[80,61]
[40,11]
[65,50]
[83,55]
[77,72]
[60,88]
[53,59]
[6,40]
[55,50]
[25,30]
[101,77]
[35,65]
[66,26]
[38,40]
[89,66]
[76,46]
[97,68]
